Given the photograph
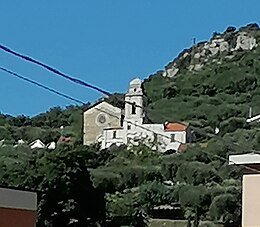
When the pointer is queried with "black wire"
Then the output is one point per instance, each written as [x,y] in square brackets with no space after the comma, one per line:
[41,85]
[59,73]
[75,80]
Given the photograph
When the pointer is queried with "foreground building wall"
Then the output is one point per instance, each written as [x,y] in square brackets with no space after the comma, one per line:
[17,208]
[17,218]
[251,200]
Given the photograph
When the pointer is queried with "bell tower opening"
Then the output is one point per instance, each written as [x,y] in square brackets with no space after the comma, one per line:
[134,108]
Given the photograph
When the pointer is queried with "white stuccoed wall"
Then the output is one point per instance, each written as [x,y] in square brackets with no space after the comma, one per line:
[251,200]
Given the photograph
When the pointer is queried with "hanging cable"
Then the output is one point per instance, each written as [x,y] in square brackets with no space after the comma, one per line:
[51,69]
[59,73]
[41,85]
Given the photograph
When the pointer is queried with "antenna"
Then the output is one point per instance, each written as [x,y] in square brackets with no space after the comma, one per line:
[193,41]
[250,112]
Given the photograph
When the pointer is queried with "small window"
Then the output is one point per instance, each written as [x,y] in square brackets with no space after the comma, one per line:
[134,108]
[122,120]
[172,137]
[128,127]
[114,134]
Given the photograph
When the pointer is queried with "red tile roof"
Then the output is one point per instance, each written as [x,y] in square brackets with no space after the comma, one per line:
[64,139]
[175,127]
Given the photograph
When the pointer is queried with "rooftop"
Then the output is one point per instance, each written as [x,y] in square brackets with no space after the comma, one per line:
[136,81]
[243,159]
[175,127]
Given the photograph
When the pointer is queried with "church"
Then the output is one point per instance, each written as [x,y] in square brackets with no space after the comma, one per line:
[110,125]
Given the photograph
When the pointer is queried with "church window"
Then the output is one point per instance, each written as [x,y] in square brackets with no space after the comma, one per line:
[114,134]
[134,108]
[101,119]
[172,137]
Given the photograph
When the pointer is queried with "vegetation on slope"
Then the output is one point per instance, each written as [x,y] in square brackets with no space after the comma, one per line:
[47,126]
[129,183]
[126,182]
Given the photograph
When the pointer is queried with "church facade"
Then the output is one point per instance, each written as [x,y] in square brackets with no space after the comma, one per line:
[108,125]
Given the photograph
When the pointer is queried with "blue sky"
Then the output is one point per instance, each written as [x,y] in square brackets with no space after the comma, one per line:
[106,43]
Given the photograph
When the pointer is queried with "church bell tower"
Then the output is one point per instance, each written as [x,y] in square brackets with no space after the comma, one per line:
[134,104]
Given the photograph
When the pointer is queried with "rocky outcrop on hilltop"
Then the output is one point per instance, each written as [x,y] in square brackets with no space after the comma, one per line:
[218,47]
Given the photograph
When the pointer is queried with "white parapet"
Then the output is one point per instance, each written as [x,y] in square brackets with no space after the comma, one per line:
[243,159]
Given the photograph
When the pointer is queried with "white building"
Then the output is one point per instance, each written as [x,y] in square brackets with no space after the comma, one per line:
[253,119]
[37,144]
[51,145]
[131,130]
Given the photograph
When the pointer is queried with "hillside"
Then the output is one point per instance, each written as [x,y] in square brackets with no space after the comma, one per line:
[49,126]
[212,84]
[209,83]
[45,126]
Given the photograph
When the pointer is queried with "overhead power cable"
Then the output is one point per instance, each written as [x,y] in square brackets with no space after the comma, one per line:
[59,73]
[235,146]
[225,160]
[41,85]
[51,69]
[83,83]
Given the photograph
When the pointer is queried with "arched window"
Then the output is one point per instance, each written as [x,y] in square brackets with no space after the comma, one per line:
[134,108]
